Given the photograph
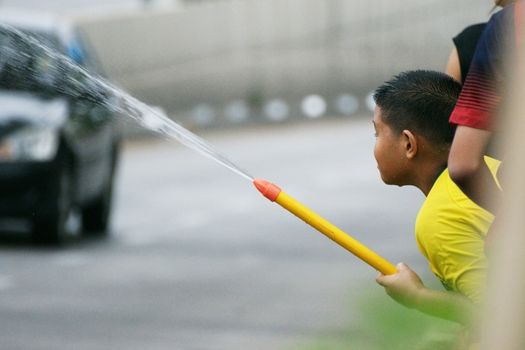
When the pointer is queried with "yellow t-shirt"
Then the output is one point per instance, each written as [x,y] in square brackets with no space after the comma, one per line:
[450,232]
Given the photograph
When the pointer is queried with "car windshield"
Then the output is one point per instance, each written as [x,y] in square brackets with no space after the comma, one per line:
[25,66]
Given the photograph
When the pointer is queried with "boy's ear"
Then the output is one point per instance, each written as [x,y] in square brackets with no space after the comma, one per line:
[409,143]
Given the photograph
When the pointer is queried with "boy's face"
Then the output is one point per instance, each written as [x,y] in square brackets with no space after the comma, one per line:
[389,152]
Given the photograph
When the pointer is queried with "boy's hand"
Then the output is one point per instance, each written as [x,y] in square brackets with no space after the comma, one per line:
[404,286]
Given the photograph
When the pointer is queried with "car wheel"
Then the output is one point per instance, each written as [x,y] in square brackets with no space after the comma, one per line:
[62,223]
[96,216]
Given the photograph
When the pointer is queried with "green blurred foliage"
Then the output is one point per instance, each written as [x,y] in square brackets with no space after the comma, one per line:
[379,323]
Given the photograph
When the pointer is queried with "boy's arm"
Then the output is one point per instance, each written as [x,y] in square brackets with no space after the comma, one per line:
[407,288]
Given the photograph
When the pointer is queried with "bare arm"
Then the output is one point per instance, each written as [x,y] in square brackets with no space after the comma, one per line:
[453,67]
[467,167]
[407,288]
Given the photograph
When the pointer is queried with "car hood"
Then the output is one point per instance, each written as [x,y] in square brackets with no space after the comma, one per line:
[26,109]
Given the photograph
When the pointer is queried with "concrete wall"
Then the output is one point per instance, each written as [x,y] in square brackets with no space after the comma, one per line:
[255,50]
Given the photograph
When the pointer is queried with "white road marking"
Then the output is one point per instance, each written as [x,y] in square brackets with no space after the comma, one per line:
[6,282]
[70,259]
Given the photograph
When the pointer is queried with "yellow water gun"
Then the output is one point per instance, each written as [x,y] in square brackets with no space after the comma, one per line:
[275,194]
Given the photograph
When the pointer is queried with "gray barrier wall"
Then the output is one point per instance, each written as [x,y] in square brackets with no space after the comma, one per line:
[255,50]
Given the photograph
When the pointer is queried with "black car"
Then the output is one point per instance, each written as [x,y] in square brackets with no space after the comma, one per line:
[58,144]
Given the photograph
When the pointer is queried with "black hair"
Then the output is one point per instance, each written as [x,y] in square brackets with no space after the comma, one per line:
[420,101]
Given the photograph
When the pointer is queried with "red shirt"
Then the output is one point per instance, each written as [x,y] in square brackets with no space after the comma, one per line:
[482,91]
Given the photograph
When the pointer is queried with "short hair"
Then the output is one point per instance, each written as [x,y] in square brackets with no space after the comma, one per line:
[420,101]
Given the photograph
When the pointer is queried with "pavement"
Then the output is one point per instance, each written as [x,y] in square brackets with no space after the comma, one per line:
[198,259]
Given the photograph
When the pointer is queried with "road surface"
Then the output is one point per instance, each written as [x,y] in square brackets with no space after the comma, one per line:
[198,259]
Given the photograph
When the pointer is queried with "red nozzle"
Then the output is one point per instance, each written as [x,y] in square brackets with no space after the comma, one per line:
[268,189]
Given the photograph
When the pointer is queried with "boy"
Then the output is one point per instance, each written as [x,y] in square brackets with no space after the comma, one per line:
[413,138]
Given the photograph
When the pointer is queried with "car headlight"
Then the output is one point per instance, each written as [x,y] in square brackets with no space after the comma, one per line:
[29,144]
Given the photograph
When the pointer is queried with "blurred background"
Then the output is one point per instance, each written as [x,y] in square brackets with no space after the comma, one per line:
[216,62]
[193,257]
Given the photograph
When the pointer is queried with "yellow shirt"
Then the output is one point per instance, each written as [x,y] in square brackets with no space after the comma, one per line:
[450,232]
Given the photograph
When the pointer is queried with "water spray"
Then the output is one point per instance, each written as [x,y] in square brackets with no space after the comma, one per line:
[275,194]
[16,47]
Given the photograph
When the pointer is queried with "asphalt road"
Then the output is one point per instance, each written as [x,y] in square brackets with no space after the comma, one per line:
[198,259]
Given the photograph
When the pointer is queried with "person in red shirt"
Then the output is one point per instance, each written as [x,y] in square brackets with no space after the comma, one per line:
[477,109]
